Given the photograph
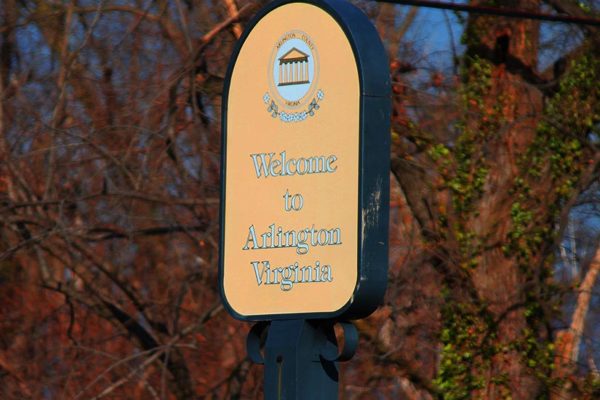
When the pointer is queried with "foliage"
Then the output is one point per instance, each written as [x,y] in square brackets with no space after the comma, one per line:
[109,181]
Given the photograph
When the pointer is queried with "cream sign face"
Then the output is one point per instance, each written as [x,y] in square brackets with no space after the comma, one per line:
[292,213]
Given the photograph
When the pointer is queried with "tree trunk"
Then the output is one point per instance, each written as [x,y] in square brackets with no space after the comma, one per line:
[569,341]
[499,279]
[503,112]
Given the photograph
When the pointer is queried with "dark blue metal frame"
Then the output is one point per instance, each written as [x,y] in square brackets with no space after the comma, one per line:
[373,210]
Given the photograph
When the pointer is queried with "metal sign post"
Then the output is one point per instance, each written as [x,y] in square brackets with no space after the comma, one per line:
[305,188]
[301,357]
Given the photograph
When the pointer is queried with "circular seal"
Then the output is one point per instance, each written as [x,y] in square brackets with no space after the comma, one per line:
[293,69]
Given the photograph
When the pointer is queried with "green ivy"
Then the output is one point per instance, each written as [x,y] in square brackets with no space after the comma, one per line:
[468,335]
[557,153]
[461,353]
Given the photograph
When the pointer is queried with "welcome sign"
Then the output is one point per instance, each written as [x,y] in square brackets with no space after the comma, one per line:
[305,165]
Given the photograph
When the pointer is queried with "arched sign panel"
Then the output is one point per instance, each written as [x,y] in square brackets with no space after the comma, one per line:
[305,165]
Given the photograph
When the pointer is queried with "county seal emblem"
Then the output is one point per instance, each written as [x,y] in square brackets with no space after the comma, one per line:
[293,75]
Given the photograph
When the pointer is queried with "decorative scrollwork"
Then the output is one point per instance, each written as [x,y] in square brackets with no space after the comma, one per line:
[313,106]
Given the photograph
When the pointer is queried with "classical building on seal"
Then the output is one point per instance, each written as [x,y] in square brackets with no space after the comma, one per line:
[293,68]
[293,75]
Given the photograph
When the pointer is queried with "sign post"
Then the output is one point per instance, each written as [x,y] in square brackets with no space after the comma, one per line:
[305,187]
